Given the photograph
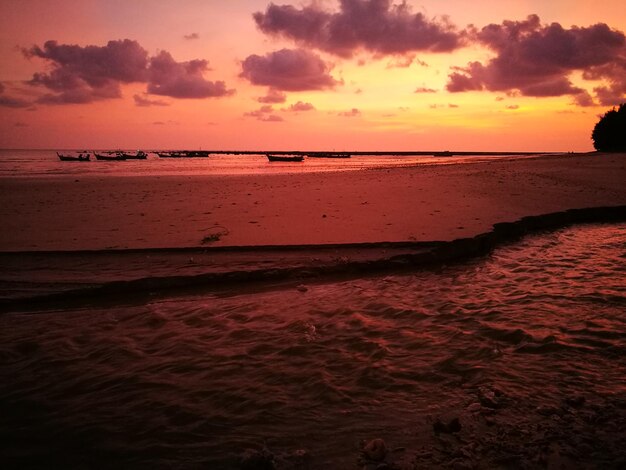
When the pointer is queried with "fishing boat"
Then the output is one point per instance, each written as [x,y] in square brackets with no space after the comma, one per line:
[140,155]
[169,154]
[196,153]
[110,156]
[83,157]
[285,158]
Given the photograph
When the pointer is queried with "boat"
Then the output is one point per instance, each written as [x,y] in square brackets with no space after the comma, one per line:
[141,155]
[446,153]
[196,153]
[82,157]
[285,158]
[109,156]
[329,155]
[169,154]
[184,154]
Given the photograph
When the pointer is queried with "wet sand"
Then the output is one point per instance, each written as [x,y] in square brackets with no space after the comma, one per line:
[422,203]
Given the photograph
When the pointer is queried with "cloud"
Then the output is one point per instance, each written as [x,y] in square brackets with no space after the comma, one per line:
[264,113]
[424,90]
[300,106]
[377,26]
[512,106]
[192,36]
[83,74]
[537,60]
[273,96]
[288,70]
[354,112]
[452,105]
[401,62]
[142,101]
[20,124]
[11,102]
[272,118]
[182,79]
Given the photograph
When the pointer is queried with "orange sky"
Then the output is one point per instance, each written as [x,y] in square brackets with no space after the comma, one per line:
[368,100]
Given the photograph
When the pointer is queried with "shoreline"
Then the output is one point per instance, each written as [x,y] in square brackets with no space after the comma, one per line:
[411,204]
[311,262]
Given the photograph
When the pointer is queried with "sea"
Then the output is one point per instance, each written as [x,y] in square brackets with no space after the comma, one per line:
[42,163]
[516,359]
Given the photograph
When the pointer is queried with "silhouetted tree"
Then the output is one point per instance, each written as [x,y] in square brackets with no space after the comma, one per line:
[609,134]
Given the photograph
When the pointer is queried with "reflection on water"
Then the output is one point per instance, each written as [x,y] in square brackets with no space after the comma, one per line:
[191,382]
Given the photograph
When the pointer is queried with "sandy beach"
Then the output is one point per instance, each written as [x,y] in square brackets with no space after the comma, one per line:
[422,203]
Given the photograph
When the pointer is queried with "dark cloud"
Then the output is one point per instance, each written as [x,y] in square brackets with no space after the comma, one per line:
[512,106]
[144,102]
[192,36]
[20,124]
[376,26]
[85,74]
[182,79]
[452,105]
[288,70]
[301,106]
[537,60]
[273,96]
[424,90]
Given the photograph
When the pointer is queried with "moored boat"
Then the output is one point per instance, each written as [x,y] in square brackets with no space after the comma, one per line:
[170,154]
[196,153]
[82,157]
[140,155]
[109,156]
[285,158]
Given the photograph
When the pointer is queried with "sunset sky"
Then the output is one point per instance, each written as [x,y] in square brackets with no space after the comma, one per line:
[319,75]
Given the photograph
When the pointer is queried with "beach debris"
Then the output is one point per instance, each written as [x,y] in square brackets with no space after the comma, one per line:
[375,450]
[490,398]
[215,236]
[452,426]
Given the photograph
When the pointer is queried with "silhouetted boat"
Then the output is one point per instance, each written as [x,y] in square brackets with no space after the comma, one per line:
[196,153]
[329,155]
[443,154]
[184,154]
[72,158]
[285,158]
[141,155]
[110,156]
[169,154]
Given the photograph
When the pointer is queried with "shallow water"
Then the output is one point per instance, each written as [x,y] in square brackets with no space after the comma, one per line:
[41,163]
[192,381]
